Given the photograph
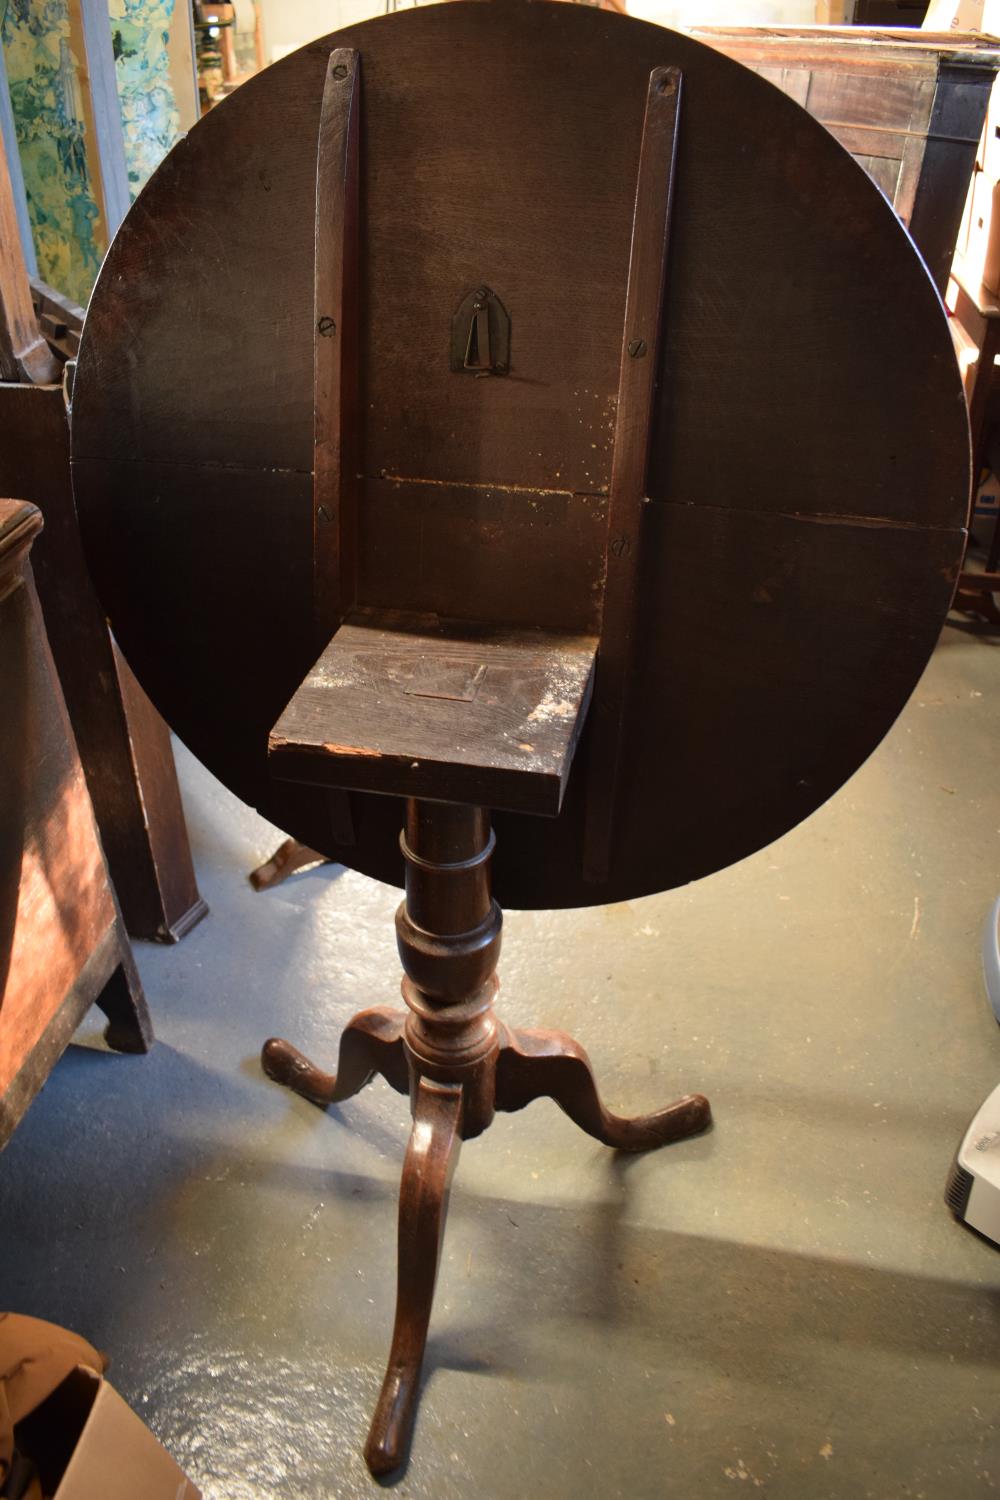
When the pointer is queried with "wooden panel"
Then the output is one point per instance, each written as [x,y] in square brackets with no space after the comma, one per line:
[90,983]
[55,900]
[901,103]
[791,81]
[904,48]
[910,167]
[464,548]
[237,560]
[423,707]
[883,171]
[863,140]
[807,388]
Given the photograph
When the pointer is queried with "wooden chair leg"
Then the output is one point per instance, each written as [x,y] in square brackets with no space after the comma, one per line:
[538,1064]
[423,1205]
[371,1043]
[286,859]
[123,1001]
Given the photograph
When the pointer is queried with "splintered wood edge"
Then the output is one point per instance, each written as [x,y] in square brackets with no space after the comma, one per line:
[506,788]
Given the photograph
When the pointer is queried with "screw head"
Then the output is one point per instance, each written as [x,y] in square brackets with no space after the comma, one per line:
[327,327]
[325,513]
[637,348]
[339,71]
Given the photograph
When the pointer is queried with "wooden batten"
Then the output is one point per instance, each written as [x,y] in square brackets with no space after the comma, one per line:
[335,344]
[636,391]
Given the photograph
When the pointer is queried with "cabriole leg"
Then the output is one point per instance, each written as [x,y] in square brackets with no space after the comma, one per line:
[540,1064]
[371,1043]
[423,1205]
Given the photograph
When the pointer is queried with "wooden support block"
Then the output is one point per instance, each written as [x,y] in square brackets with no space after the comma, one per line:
[421,707]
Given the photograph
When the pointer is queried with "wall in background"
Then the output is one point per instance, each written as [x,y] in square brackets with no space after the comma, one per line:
[739,12]
[291,23]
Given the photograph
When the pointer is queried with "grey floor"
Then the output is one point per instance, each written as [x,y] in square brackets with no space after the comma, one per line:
[782,1306]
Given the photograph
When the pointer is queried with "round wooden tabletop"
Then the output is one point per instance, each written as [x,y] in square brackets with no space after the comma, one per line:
[808,479]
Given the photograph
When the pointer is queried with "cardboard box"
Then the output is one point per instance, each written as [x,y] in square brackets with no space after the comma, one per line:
[89,1445]
[981,260]
[963,15]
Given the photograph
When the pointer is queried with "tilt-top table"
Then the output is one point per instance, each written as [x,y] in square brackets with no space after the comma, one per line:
[524,426]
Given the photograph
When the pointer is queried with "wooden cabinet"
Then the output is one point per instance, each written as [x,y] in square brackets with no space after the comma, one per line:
[908,105]
[62,942]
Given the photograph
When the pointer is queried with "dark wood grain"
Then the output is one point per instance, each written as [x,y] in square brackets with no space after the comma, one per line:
[337,313]
[527,556]
[809,462]
[124,744]
[416,705]
[640,363]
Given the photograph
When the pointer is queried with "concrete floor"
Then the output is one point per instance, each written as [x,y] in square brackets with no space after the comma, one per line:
[783,1306]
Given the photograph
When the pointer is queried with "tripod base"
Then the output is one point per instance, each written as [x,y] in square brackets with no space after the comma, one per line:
[518,1066]
[459,1064]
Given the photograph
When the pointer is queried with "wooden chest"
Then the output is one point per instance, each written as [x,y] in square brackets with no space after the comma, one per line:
[62,942]
[909,106]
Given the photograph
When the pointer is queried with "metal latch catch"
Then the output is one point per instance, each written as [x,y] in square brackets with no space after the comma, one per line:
[480,335]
